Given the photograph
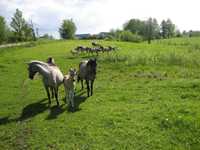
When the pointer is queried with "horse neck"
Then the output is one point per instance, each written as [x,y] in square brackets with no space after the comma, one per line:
[43,70]
[71,78]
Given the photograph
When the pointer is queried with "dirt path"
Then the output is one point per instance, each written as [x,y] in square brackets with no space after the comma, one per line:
[13,44]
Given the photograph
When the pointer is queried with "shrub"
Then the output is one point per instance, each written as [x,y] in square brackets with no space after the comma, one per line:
[124,36]
[129,36]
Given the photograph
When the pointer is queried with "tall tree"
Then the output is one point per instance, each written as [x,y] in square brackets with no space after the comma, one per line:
[135,26]
[67,29]
[28,32]
[164,29]
[151,29]
[23,31]
[156,33]
[18,25]
[171,28]
[167,29]
[33,32]
[2,30]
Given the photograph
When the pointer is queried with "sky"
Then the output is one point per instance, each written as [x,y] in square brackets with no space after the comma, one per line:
[94,16]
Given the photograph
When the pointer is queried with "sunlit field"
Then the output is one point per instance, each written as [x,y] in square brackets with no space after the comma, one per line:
[146,96]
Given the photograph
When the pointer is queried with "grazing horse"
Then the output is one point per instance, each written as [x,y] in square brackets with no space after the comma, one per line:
[80,48]
[52,76]
[87,71]
[96,44]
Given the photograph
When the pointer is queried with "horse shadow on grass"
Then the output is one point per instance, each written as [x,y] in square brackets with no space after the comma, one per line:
[78,99]
[34,109]
[28,111]
[55,111]
[5,120]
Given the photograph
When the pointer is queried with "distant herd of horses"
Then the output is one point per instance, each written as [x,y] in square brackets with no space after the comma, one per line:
[52,78]
[95,49]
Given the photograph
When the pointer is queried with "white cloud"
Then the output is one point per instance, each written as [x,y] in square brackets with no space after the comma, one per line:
[93,16]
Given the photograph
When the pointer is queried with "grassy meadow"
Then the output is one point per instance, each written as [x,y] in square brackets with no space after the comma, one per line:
[146,97]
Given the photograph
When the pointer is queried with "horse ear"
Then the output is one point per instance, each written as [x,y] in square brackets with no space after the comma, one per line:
[71,70]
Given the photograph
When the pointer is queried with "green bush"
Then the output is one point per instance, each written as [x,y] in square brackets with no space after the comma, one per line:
[129,36]
[121,35]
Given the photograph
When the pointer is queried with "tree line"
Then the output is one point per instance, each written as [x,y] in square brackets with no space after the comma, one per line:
[134,30]
[137,30]
[19,29]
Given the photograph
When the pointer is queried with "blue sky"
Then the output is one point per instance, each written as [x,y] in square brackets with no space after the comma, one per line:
[93,16]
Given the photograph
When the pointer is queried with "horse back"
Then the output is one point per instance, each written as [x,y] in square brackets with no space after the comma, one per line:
[85,71]
[57,76]
[82,69]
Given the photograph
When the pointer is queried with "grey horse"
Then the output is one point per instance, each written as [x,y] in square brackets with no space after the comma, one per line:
[52,76]
[87,71]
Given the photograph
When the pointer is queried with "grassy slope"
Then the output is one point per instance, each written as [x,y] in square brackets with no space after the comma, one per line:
[145,97]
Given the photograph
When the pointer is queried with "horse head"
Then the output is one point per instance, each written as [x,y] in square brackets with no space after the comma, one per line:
[72,73]
[32,69]
[92,64]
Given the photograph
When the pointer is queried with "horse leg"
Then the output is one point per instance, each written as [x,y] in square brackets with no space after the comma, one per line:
[66,96]
[82,84]
[88,88]
[56,95]
[52,92]
[72,98]
[78,79]
[92,81]
[48,94]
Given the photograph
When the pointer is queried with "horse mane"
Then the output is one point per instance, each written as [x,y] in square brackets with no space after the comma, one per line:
[43,64]
[39,62]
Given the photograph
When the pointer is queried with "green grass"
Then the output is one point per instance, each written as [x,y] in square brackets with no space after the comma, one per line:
[145,97]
